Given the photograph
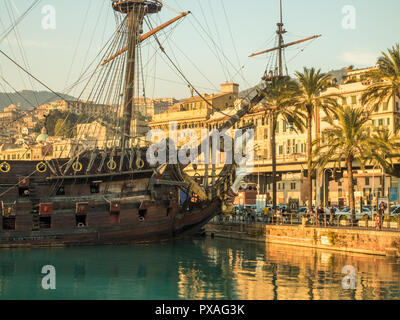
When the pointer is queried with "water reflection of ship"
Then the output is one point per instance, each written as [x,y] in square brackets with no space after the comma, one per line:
[204,269]
[125,272]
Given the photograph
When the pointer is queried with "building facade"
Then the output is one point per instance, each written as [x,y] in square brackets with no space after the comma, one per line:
[291,146]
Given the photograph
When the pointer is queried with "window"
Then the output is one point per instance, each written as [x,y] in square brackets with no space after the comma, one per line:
[385,106]
[344,101]
[266,133]
[293,186]
[23,191]
[284,125]
[367,191]
[380,122]
[80,220]
[280,150]
[8,223]
[142,214]
[353,100]
[367,181]
[388,121]
[340,193]
[45,222]
[95,188]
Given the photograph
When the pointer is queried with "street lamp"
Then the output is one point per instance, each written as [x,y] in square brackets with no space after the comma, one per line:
[258,157]
[373,187]
[324,183]
[289,177]
[258,178]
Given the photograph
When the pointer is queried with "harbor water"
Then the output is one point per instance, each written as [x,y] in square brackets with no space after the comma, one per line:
[198,269]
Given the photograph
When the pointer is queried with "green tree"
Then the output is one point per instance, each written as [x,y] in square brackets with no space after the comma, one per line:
[349,138]
[280,97]
[62,128]
[310,102]
[385,79]
[70,121]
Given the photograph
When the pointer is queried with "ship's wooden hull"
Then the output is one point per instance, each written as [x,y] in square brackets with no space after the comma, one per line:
[124,208]
[121,234]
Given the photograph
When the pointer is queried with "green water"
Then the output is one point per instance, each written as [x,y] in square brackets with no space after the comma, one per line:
[195,269]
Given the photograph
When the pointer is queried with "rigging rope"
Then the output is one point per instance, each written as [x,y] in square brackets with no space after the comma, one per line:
[79,40]
[184,77]
[19,20]
[232,39]
[30,74]
[22,51]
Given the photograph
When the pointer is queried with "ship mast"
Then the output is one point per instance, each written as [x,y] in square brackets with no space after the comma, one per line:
[281,45]
[278,73]
[281,31]
[135,10]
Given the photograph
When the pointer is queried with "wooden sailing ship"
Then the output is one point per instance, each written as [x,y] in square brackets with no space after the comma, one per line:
[114,195]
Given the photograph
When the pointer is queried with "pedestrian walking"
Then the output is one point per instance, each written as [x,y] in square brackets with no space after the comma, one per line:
[332,214]
[379,216]
[320,214]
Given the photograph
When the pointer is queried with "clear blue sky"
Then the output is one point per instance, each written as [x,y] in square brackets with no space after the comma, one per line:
[58,56]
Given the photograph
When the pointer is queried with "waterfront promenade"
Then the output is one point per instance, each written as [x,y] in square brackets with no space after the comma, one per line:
[362,238]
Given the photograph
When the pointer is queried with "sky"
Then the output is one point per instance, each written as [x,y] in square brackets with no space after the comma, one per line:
[211,46]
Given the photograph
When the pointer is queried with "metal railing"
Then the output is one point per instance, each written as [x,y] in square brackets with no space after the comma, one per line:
[295,219]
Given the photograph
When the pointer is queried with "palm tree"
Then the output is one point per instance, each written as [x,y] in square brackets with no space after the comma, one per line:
[312,83]
[385,79]
[385,85]
[351,137]
[280,96]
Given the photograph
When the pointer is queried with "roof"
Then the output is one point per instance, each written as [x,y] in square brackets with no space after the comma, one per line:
[177,106]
